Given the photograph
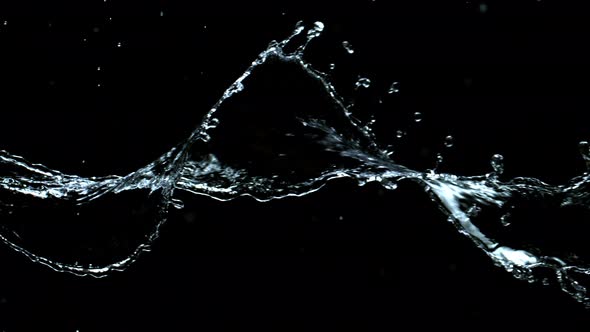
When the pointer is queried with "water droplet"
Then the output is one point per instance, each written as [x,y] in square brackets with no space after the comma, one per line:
[497,163]
[473,211]
[5,23]
[161,13]
[332,66]
[348,47]
[417,116]
[393,88]
[317,29]
[584,148]
[483,8]
[98,68]
[98,85]
[363,82]
[449,141]
[177,204]
[399,134]
[119,44]
[439,159]
[505,220]
[341,218]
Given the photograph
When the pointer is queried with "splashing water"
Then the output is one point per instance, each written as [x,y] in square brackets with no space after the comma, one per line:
[267,164]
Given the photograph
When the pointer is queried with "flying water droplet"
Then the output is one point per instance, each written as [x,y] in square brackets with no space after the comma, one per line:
[363,82]
[393,88]
[483,8]
[399,133]
[505,220]
[473,211]
[119,44]
[497,163]
[417,117]
[584,148]
[177,203]
[317,29]
[439,160]
[449,141]
[348,47]
[332,66]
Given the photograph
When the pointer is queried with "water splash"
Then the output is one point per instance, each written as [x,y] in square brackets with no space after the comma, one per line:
[225,159]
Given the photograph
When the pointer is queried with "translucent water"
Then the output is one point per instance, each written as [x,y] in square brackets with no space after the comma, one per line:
[225,158]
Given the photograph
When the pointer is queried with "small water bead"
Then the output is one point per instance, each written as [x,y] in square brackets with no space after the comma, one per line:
[393,88]
[119,44]
[177,204]
[417,117]
[317,29]
[98,68]
[400,133]
[449,141]
[505,220]
[584,148]
[473,211]
[439,160]
[332,66]
[348,47]
[5,23]
[363,82]
[483,8]
[497,163]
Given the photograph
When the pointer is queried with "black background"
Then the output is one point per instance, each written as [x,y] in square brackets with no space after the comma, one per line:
[501,78]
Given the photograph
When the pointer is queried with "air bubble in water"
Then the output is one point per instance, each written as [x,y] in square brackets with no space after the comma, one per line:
[417,116]
[393,88]
[449,141]
[363,82]
[348,47]
[497,163]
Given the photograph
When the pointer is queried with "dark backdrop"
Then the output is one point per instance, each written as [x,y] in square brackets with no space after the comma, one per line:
[509,79]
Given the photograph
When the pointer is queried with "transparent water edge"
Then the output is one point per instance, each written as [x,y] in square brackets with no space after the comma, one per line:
[483,208]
